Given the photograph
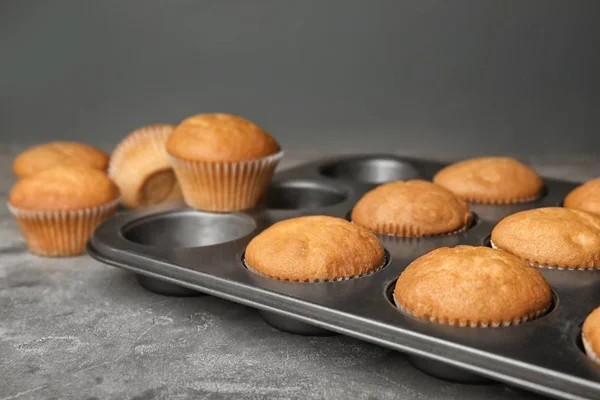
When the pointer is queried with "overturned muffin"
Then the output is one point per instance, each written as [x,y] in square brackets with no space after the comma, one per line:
[314,248]
[411,208]
[141,168]
[58,209]
[491,180]
[41,157]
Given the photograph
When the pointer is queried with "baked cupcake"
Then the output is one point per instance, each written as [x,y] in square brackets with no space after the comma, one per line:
[472,286]
[411,208]
[590,335]
[585,197]
[58,209]
[140,167]
[49,155]
[314,248]
[223,162]
[491,180]
[552,237]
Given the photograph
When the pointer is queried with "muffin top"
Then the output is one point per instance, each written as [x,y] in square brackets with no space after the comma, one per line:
[48,155]
[591,333]
[472,286]
[314,248]
[585,197]
[62,189]
[220,138]
[551,236]
[411,208]
[491,180]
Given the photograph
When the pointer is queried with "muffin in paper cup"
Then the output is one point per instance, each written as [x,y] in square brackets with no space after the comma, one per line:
[223,162]
[411,209]
[141,168]
[467,286]
[551,237]
[58,209]
[585,197]
[590,335]
[491,180]
[314,249]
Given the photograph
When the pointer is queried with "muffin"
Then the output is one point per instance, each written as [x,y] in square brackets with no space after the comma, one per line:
[140,167]
[491,180]
[552,237]
[590,335]
[314,248]
[411,208]
[58,209]
[472,286]
[49,155]
[223,162]
[585,197]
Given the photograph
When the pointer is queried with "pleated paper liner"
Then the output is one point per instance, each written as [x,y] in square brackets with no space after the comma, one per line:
[473,324]
[141,168]
[61,233]
[503,202]
[224,186]
[542,266]
[386,259]
[589,351]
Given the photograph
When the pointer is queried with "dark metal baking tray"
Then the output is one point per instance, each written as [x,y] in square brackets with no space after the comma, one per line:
[179,251]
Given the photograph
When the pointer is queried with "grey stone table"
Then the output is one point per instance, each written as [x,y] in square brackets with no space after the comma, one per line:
[75,328]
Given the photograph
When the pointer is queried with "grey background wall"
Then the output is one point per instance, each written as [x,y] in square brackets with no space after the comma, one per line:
[455,78]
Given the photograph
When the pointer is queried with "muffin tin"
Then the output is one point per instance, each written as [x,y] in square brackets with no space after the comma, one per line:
[179,251]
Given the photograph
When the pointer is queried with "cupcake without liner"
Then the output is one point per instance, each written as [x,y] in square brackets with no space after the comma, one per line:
[551,237]
[491,180]
[590,335]
[223,162]
[141,168]
[468,286]
[67,154]
[58,209]
[585,197]
[414,208]
[313,249]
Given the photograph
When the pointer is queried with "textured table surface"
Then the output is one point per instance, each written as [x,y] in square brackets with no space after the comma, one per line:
[75,328]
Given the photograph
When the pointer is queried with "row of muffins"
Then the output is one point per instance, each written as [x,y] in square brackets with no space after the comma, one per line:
[214,162]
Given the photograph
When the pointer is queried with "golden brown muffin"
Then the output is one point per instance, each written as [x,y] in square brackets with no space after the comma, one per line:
[590,335]
[58,209]
[472,286]
[314,248]
[552,237]
[411,208]
[49,155]
[491,180]
[585,197]
[223,162]
[141,168]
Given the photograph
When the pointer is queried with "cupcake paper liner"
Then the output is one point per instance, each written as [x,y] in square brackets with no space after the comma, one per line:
[472,324]
[500,202]
[61,233]
[411,232]
[224,186]
[542,266]
[346,278]
[589,351]
[131,170]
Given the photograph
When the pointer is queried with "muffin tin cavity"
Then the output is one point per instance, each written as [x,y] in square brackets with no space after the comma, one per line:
[188,229]
[373,170]
[301,194]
